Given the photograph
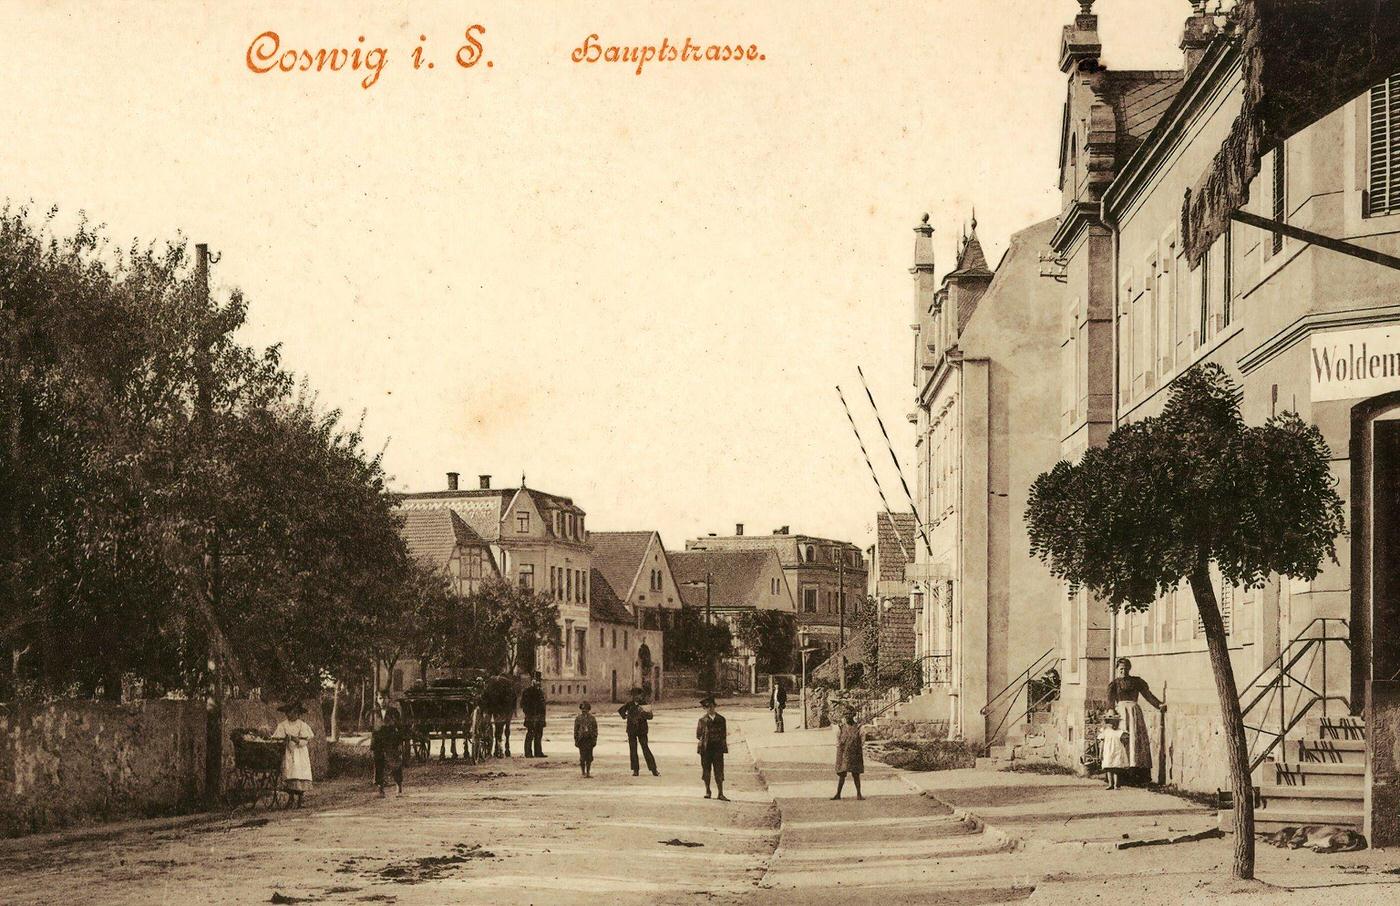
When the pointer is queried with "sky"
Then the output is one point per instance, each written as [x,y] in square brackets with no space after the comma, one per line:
[640,291]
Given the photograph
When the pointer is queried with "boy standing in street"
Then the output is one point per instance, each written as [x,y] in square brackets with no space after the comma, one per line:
[637,714]
[585,737]
[777,701]
[712,742]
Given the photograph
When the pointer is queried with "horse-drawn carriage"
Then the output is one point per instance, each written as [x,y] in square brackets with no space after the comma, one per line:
[448,711]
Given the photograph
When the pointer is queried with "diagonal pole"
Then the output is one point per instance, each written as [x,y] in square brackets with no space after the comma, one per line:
[913,507]
[908,549]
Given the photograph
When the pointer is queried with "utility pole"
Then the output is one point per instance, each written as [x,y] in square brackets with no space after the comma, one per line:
[841,612]
[10,325]
[712,657]
[210,559]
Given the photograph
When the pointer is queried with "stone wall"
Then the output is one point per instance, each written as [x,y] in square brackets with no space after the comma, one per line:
[68,762]
[1191,757]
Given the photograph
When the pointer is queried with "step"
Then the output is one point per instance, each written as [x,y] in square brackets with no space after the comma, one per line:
[999,753]
[1317,773]
[1334,751]
[1267,820]
[1312,797]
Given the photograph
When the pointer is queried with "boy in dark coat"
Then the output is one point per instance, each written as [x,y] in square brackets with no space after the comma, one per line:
[585,737]
[637,715]
[712,742]
[777,701]
[532,706]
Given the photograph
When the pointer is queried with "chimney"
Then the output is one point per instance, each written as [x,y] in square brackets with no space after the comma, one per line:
[484,482]
[781,531]
[739,528]
[1196,37]
[452,481]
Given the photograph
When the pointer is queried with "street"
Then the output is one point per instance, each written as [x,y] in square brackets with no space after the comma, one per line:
[534,831]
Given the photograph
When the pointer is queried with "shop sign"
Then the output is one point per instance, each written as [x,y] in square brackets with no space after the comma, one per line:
[1354,364]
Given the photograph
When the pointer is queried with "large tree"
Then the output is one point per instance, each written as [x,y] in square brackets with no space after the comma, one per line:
[771,635]
[1170,495]
[165,486]
[521,618]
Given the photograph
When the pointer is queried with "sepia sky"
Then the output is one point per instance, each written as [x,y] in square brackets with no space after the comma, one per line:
[640,291]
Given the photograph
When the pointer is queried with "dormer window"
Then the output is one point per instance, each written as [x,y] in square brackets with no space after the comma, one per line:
[522,523]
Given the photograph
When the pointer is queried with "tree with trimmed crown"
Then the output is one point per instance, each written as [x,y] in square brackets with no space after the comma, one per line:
[1171,494]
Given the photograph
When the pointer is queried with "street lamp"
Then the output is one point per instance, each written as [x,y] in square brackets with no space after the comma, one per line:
[709,650]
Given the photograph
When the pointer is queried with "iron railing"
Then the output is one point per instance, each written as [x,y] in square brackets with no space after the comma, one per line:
[1033,685]
[1301,665]
[935,670]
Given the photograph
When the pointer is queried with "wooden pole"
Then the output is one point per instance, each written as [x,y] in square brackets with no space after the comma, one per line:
[1317,239]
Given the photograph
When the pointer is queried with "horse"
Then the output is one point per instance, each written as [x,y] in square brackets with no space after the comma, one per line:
[498,701]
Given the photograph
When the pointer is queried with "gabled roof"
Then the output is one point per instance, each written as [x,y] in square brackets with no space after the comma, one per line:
[619,556]
[738,579]
[604,606]
[433,535]
[894,539]
[484,508]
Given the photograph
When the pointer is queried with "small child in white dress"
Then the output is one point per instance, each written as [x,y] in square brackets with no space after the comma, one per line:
[1113,748]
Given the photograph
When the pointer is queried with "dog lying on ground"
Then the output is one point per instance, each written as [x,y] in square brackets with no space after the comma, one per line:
[1317,837]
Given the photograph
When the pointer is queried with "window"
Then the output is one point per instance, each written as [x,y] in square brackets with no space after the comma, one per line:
[1383,196]
[614,637]
[568,641]
[568,584]
[1202,335]
[582,644]
[1280,192]
[1227,276]
[602,637]
[809,600]
[522,523]
[527,576]
[624,640]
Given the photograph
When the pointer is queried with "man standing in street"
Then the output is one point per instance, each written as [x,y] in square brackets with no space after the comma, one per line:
[777,701]
[712,742]
[637,715]
[532,705]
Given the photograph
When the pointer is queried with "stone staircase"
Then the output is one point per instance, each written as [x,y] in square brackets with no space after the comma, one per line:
[1319,778]
[1024,742]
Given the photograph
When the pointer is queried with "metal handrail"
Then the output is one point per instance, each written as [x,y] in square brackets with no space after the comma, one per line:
[1037,669]
[1284,667]
[1019,682]
[942,664]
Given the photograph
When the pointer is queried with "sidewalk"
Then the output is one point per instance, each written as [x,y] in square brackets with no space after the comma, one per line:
[1049,810]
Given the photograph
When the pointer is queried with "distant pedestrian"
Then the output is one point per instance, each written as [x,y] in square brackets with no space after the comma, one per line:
[712,742]
[532,706]
[1113,750]
[638,715]
[777,701]
[850,755]
[296,754]
[389,744]
[585,737]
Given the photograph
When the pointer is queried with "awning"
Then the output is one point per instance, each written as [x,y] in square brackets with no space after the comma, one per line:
[1302,60]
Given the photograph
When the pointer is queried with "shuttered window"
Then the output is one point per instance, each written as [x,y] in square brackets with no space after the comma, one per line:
[1385,148]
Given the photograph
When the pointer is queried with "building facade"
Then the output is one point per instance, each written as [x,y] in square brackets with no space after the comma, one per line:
[539,541]
[1300,328]
[986,424]
[624,655]
[637,568]
[827,578]
[721,584]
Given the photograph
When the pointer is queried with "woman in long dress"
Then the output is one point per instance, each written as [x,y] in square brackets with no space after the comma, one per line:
[296,757]
[1123,695]
[850,755]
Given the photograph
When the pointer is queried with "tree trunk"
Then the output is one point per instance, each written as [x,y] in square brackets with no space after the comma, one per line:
[335,712]
[1240,783]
